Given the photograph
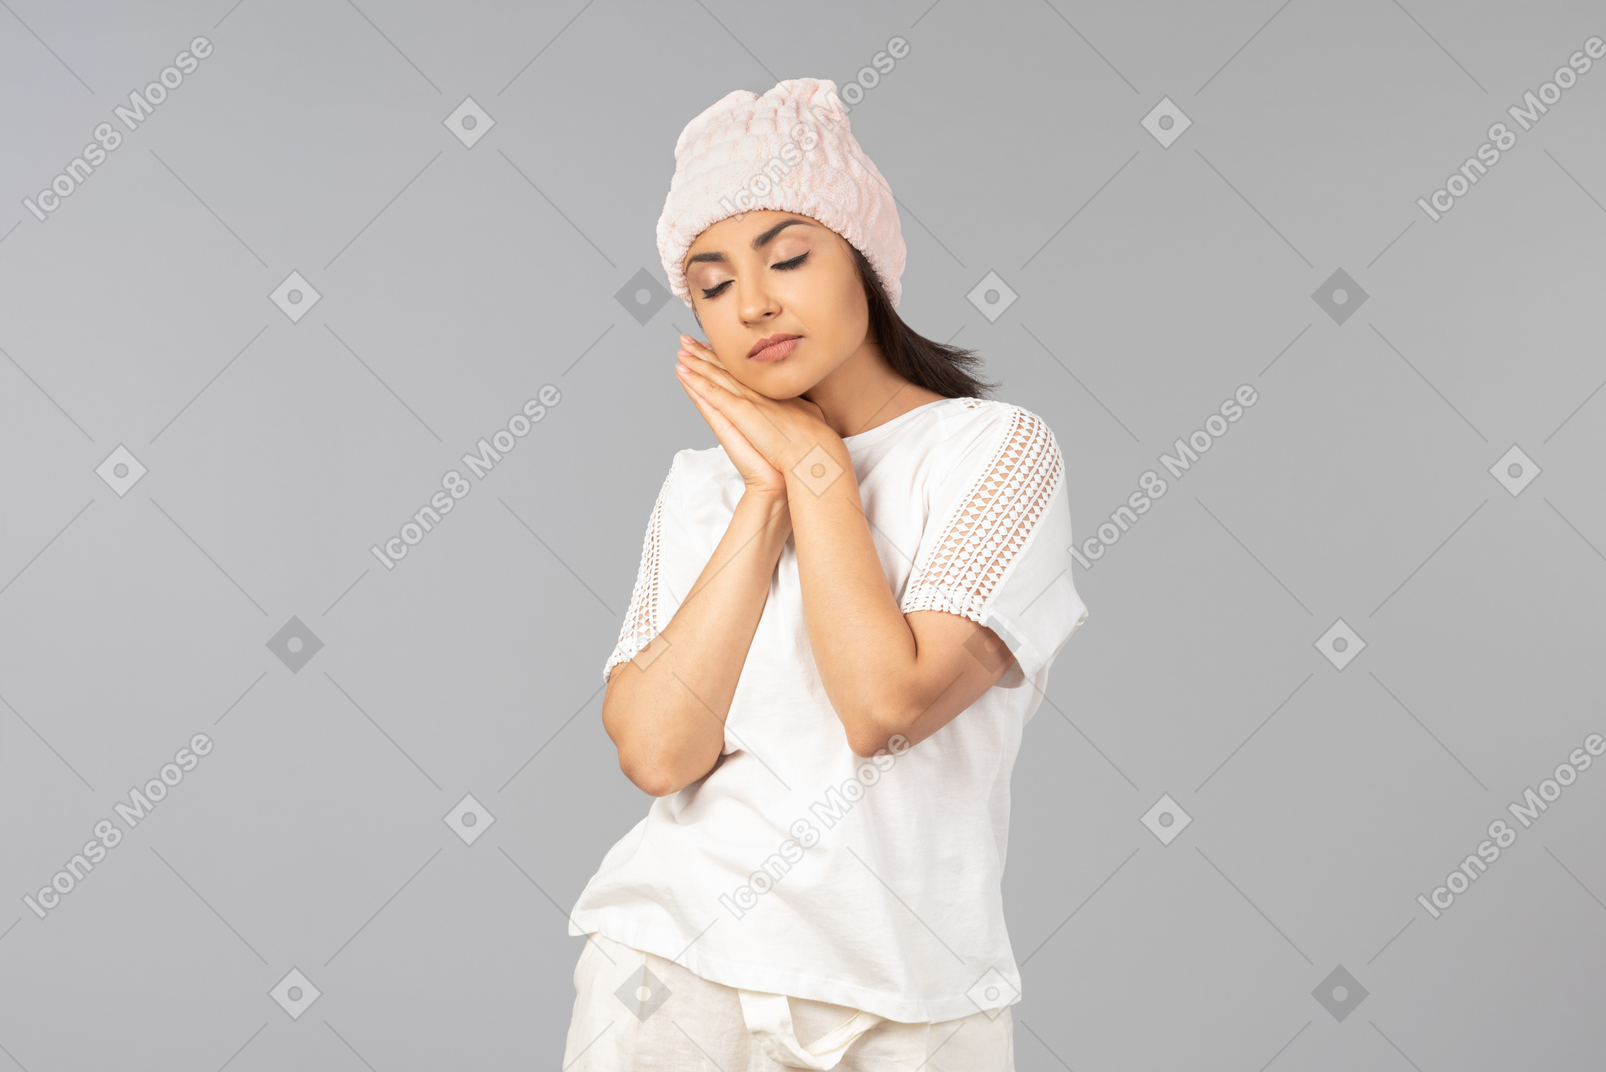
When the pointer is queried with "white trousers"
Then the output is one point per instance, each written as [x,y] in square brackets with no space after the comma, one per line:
[638,1012]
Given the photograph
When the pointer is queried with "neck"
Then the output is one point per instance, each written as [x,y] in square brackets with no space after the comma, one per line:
[864,392]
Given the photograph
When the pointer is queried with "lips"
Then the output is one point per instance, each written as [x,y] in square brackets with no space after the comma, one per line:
[773,347]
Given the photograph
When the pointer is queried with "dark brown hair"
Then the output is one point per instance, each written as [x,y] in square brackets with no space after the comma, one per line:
[933,365]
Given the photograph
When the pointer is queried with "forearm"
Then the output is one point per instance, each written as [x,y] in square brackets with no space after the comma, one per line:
[668,720]
[863,648]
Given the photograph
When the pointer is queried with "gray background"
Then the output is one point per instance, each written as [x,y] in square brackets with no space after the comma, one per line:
[456,281]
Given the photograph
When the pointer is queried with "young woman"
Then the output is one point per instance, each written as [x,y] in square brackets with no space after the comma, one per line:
[844,616]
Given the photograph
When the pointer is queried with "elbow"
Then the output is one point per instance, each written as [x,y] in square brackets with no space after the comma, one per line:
[863,747]
[873,745]
[638,768]
[882,724]
[654,784]
[871,734]
[649,777]
[659,774]
[658,761]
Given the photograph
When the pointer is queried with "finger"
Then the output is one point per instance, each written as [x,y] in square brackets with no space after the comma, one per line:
[712,400]
[701,349]
[738,412]
[705,361]
[696,400]
[726,432]
[711,383]
[707,381]
[698,392]
[698,361]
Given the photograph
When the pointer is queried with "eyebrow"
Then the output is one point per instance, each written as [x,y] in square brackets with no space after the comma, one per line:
[758,243]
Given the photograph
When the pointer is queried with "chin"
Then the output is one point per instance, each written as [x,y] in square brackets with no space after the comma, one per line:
[781,383]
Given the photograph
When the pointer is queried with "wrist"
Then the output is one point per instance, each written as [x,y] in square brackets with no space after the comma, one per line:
[770,499]
[821,469]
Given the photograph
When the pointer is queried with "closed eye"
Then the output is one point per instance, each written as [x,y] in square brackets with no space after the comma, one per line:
[783,266]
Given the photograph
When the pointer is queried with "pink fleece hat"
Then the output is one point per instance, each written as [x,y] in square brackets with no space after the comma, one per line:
[790,150]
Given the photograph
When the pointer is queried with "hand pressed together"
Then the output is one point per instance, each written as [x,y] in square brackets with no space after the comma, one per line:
[764,437]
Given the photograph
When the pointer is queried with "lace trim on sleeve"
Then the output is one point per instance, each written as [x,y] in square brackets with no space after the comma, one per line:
[990,527]
[641,622]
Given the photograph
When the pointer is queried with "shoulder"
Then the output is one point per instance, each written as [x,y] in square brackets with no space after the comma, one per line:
[698,497]
[696,469]
[990,428]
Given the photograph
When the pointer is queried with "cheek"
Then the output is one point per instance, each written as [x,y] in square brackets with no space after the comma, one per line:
[730,346]
[850,313]
[827,307]
[719,331]
[845,292]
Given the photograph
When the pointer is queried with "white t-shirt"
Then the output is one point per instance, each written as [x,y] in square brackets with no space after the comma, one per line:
[794,866]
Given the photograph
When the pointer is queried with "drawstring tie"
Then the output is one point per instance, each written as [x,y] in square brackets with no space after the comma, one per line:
[769,1018]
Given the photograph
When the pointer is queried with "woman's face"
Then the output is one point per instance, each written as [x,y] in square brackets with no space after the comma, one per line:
[764,274]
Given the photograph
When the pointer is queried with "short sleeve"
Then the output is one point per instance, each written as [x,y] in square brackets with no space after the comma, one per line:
[649,611]
[996,548]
